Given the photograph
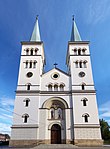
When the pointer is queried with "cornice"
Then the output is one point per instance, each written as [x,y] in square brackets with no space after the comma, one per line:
[78,42]
[31,42]
[53,92]
[86,126]
[25,126]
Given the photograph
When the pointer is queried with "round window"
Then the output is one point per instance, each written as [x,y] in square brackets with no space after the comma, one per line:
[81,74]
[29,74]
[55,76]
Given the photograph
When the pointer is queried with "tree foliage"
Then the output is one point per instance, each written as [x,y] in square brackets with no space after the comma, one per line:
[105,130]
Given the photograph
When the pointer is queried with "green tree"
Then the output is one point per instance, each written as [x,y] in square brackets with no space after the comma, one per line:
[105,130]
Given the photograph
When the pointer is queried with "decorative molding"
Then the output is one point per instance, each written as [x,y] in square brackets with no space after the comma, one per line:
[54,92]
[31,42]
[78,42]
[86,126]
[83,91]
[32,55]
[79,55]
[25,126]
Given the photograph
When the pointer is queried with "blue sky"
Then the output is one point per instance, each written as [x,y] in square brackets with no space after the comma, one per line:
[17,20]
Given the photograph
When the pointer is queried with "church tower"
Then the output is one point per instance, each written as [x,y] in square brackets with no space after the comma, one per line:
[55,107]
[26,113]
[85,112]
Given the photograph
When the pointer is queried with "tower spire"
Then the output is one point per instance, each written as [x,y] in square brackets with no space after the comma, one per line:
[75,36]
[36,32]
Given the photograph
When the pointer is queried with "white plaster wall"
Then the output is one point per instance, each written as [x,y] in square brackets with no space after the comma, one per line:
[43,124]
[32,110]
[35,79]
[88,78]
[69,125]
[91,109]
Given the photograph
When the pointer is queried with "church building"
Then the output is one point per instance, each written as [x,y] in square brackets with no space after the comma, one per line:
[55,107]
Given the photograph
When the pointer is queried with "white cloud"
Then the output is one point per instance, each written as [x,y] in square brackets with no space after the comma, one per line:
[7,101]
[6,112]
[104,111]
[105,106]
[97,11]
[105,114]
[5,128]
[5,117]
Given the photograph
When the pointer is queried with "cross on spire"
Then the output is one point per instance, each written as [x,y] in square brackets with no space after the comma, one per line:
[55,65]
[73,17]
[37,16]
[75,36]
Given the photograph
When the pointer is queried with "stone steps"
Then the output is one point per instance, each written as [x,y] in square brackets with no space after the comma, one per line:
[54,146]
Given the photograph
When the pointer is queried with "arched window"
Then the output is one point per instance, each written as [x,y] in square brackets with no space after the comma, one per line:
[80,64]
[27,100]
[52,112]
[26,64]
[36,51]
[76,64]
[34,64]
[59,111]
[83,51]
[50,87]
[79,51]
[75,51]
[27,51]
[28,86]
[61,87]
[31,51]
[83,86]
[25,118]
[85,64]
[85,117]
[30,64]
[55,87]
[84,101]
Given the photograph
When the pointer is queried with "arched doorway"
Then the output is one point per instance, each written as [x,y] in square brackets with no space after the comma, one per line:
[56,134]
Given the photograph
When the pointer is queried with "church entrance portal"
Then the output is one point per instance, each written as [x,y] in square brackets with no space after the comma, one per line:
[56,134]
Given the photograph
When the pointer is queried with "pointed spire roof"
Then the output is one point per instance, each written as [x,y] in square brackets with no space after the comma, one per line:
[36,32]
[75,36]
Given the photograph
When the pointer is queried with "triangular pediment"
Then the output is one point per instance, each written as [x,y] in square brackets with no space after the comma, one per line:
[56,70]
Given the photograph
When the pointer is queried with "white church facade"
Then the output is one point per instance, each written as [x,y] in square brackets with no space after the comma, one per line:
[55,107]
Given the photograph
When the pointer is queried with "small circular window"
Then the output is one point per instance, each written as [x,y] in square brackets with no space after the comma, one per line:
[81,74]
[55,76]
[29,74]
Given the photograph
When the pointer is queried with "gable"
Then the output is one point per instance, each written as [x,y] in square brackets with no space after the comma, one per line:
[55,76]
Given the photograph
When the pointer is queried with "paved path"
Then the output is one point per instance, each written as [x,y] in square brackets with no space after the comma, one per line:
[67,146]
[58,146]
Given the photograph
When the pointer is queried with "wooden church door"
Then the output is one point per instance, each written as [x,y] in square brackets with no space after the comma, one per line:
[56,134]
